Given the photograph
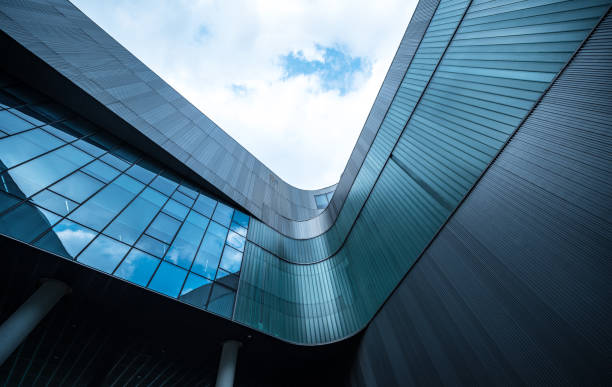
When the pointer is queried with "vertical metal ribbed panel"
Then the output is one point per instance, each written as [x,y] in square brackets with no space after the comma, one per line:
[516,288]
[459,114]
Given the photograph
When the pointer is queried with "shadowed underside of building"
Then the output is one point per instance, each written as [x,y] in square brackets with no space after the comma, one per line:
[467,242]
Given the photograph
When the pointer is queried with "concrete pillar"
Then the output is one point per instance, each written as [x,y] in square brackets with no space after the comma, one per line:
[19,325]
[227,364]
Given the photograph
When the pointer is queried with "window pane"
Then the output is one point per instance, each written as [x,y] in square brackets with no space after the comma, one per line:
[182,198]
[222,301]
[321,201]
[128,226]
[39,173]
[7,201]
[138,172]
[88,147]
[168,279]
[186,243]
[231,261]
[138,267]
[54,202]
[164,185]
[227,279]
[103,253]
[77,186]
[152,246]
[24,146]
[196,290]
[66,238]
[241,219]
[101,170]
[176,209]
[208,256]
[205,205]
[163,228]
[223,214]
[10,123]
[103,206]
[189,191]
[238,228]
[115,161]
[25,222]
[235,240]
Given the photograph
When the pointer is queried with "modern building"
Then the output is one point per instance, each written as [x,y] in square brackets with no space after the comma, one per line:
[468,241]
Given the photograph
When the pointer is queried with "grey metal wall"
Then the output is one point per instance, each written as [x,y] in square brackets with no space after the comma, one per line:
[516,287]
[63,37]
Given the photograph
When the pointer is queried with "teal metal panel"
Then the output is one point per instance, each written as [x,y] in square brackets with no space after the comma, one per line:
[468,88]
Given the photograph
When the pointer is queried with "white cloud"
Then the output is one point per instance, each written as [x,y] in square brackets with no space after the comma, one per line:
[224,57]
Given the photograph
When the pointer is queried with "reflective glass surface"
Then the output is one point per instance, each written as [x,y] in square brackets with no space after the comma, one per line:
[69,188]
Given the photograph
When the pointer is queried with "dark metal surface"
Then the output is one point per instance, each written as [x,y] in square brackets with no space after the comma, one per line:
[515,289]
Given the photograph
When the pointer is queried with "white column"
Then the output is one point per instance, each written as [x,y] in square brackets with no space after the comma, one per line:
[227,364]
[19,325]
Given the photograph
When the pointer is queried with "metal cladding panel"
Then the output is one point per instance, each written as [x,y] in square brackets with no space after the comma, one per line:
[453,132]
[515,289]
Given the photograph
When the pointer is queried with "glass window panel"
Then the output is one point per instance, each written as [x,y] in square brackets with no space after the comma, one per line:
[329,196]
[152,246]
[24,146]
[128,226]
[205,205]
[103,206]
[54,202]
[231,261]
[241,218]
[77,186]
[163,227]
[11,124]
[137,267]
[140,173]
[321,201]
[227,279]
[88,147]
[25,222]
[59,133]
[187,240]
[66,238]
[168,279]
[182,198]
[208,256]
[188,190]
[223,214]
[235,240]
[164,185]
[7,184]
[101,171]
[115,161]
[221,301]
[238,228]
[196,290]
[103,253]
[7,201]
[176,209]
[37,174]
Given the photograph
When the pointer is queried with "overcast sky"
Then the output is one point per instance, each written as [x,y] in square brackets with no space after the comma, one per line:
[292,81]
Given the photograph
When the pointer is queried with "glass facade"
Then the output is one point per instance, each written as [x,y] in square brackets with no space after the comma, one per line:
[71,189]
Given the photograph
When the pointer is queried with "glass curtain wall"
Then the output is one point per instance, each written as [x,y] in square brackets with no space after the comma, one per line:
[70,189]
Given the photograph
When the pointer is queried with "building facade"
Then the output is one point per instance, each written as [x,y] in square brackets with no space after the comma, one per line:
[468,240]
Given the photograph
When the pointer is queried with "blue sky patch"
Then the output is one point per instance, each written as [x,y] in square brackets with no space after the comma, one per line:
[337,70]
